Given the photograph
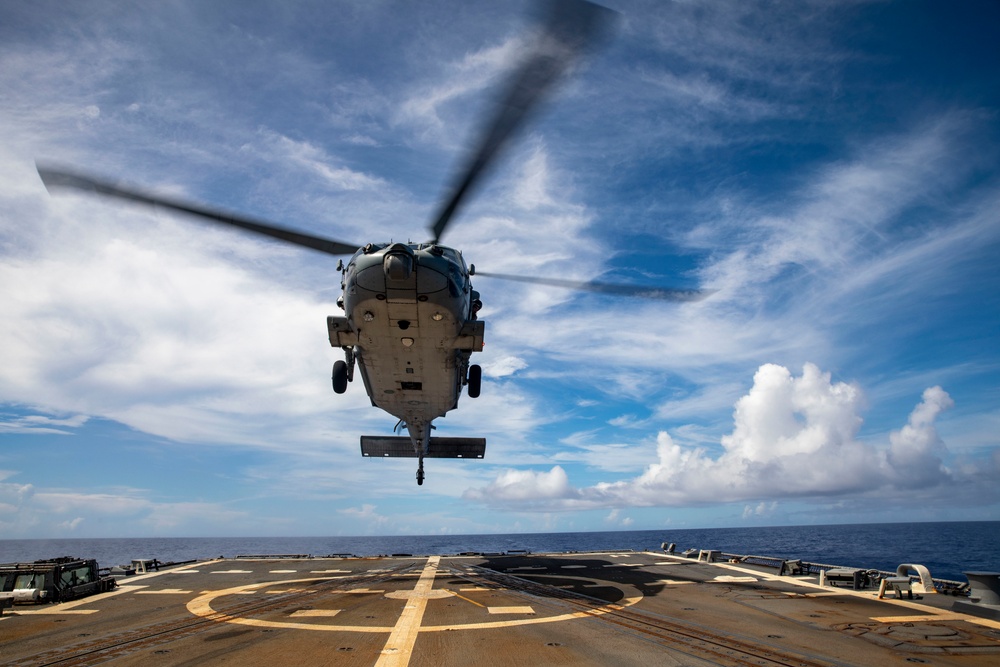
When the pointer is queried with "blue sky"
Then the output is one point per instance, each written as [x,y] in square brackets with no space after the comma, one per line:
[830,168]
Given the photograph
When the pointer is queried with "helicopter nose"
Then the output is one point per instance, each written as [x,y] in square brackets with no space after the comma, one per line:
[397,266]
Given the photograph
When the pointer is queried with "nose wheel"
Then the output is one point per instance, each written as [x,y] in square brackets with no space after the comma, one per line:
[420,472]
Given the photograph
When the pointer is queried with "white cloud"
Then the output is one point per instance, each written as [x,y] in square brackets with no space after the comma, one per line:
[793,437]
[40,424]
[532,188]
[763,509]
[72,524]
[523,486]
[198,335]
[915,452]
[504,366]
[315,161]
[365,514]
[473,72]
[35,511]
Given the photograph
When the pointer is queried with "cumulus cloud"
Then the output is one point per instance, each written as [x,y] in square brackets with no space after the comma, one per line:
[915,451]
[366,514]
[762,509]
[524,486]
[793,437]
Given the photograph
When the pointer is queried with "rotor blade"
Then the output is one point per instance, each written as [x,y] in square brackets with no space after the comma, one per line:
[58,178]
[660,293]
[573,26]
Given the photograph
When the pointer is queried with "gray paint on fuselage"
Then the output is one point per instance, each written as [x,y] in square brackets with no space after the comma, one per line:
[420,381]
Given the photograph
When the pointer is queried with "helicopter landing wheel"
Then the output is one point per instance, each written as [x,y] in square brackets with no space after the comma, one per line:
[340,377]
[475,380]
[420,473]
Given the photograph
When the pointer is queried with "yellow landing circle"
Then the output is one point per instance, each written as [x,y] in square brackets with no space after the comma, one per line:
[202,606]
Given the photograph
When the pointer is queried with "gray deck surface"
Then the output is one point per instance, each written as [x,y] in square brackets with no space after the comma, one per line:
[561,609]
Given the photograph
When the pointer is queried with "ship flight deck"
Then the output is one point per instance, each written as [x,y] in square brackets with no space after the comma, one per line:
[615,608]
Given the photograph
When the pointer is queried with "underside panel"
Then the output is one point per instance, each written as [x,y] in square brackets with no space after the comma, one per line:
[439,448]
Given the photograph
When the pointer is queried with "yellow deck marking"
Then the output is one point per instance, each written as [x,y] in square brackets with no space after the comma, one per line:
[202,606]
[164,591]
[69,607]
[56,611]
[468,600]
[917,619]
[283,571]
[399,648]
[511,610]
[279,591]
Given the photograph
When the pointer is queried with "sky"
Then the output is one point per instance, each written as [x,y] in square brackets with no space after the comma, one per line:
[828,168]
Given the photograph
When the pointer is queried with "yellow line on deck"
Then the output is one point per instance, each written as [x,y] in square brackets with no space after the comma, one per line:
[398,650]
[467,599]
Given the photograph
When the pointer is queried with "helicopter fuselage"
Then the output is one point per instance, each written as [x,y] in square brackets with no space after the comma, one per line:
[410,327]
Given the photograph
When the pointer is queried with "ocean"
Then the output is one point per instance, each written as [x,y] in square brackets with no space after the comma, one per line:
[946,549]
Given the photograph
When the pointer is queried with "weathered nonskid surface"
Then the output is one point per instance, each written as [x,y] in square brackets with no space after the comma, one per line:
[561,609]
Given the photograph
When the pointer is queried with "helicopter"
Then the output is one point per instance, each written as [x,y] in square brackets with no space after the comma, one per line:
[410,314]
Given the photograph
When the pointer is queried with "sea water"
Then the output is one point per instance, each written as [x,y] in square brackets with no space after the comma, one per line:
[946,549]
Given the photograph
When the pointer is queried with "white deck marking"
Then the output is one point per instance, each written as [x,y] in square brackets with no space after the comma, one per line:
[329,571]
[231,572]
[511,610]
[283,571]
[315,613]
[399,648]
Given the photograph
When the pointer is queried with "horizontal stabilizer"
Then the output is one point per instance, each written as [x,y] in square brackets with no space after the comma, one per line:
[439,448]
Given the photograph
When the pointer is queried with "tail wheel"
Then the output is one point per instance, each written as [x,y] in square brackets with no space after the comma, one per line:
[340,377]
[475,380]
